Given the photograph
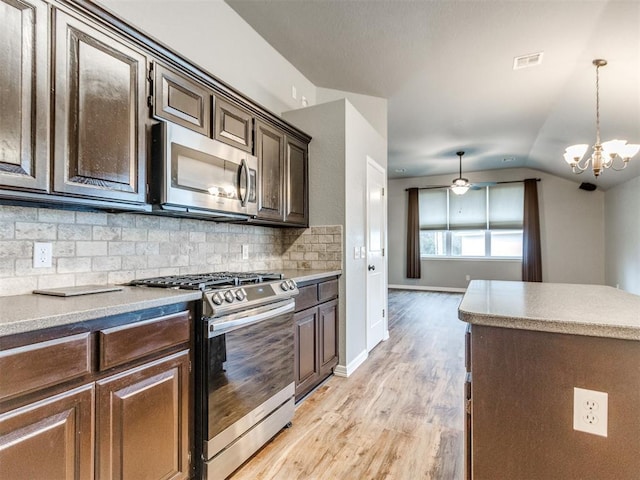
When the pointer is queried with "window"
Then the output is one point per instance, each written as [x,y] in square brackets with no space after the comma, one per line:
[485,222]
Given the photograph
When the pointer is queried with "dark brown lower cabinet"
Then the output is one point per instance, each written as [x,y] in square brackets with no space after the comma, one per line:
[316,335]
[112,402]
[142,426]
[50,438]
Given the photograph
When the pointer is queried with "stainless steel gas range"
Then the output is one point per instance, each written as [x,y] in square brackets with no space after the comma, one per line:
[244,364]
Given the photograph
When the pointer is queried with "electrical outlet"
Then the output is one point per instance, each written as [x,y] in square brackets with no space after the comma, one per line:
[42,254]
[590,411]
[245,252]
[467,277]
[294,92]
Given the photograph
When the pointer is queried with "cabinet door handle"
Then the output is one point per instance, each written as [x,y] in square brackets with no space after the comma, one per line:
[371,267]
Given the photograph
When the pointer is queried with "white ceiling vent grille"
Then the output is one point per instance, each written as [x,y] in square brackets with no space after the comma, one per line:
[526,61]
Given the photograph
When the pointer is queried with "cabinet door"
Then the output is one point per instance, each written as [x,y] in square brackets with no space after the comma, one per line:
[181,100]
[24,91]
[52,438]
[306,354]
[296,163]
[270,153]
[233,126]
[328,326]
[142,428]
[100,97]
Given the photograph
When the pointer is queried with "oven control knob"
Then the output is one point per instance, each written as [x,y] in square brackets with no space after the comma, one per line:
[292,284]
[228,296]
[284,286]
[217,298]
[240,294]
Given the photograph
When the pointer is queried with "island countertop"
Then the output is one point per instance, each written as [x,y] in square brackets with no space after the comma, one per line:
[592,310]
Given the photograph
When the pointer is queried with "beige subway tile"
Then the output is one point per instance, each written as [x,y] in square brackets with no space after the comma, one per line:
[147,248]
[134,234]
[157,261]
[91,218]
[7,267]
[136,262]
[56,281]
[24,267]
[121,276]
[74,232]
[106,264]
[197,237]
[74,265]
[51,215]
[155,235]
[64,248]
[92,278]
[16,248]
[10,213]
[17,285]
[91,249]
[106,233]
[7,230]
[122,248]
[35,231]
[311,256]
[168,271]
[123,220]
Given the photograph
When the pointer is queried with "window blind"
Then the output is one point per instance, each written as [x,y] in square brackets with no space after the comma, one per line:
[433,209]
[468,211]
[506,204]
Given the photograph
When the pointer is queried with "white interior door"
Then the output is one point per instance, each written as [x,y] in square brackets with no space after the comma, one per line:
[376,262]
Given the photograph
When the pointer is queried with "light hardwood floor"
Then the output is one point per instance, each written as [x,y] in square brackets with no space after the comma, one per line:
[397,417]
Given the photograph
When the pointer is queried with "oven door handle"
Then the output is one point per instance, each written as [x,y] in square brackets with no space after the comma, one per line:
[222,327]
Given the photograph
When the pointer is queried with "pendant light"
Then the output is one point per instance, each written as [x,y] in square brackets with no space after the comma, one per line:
[460,185]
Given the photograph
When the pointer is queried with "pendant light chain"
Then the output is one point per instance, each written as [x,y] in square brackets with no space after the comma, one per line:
[598,104]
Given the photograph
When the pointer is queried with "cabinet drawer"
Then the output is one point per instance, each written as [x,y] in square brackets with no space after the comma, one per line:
[44,364]
[308,297]
[119,345]
[327,290]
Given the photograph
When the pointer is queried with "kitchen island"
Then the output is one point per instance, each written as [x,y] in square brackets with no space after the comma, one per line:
[529,345]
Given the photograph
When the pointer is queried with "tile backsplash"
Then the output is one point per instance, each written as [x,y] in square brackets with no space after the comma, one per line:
[99,247]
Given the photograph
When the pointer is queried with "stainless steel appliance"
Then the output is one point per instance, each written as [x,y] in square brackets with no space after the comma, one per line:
[196,175]
[244,364]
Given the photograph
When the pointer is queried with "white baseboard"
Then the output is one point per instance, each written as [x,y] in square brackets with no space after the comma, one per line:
[342,371]
[428,289]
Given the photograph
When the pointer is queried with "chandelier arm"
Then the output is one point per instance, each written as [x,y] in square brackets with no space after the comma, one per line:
[624,165]
[577,168]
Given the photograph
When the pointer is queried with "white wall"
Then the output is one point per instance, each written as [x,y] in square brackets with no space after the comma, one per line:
[572,234]
[342,139]
[213,36]
[622,237]
[374,109]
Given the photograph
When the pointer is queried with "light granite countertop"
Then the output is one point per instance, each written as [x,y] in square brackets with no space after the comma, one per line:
[310,275]
[29,312]
[592,310]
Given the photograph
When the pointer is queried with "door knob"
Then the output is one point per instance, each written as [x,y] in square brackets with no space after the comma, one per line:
[371,267]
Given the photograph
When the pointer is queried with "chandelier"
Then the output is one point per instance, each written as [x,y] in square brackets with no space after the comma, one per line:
[460,185]
[604,155]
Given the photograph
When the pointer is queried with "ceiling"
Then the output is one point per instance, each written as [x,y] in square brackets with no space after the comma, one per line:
[446,68]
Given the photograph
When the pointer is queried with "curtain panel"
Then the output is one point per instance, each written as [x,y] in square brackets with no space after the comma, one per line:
[531,256]
[413,235]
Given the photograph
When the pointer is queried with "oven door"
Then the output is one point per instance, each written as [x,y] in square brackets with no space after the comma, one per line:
[250,371]
[202,174]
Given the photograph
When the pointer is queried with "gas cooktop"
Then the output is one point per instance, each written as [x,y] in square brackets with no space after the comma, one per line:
[208,281]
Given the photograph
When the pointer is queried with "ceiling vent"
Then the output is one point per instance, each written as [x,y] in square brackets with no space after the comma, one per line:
[526,61]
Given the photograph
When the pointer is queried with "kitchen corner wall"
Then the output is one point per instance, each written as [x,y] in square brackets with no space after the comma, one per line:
[98,248]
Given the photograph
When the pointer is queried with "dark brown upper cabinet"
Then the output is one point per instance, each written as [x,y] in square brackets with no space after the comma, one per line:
[296,181]
[283,193]
[181,100]
[100,113]
[24,91]
[270,153]
[233,125]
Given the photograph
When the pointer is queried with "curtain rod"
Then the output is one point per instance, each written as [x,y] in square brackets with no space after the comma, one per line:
[433,187]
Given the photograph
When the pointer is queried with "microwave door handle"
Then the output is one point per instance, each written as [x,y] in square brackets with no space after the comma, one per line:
[245,197]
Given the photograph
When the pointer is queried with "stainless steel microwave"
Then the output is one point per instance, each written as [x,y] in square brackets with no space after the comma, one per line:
[193,174]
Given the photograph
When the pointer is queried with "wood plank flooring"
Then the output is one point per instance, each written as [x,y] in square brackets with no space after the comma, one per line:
[399,416]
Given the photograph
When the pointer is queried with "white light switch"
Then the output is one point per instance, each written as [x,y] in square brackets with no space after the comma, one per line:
[356,253]
[245,252]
